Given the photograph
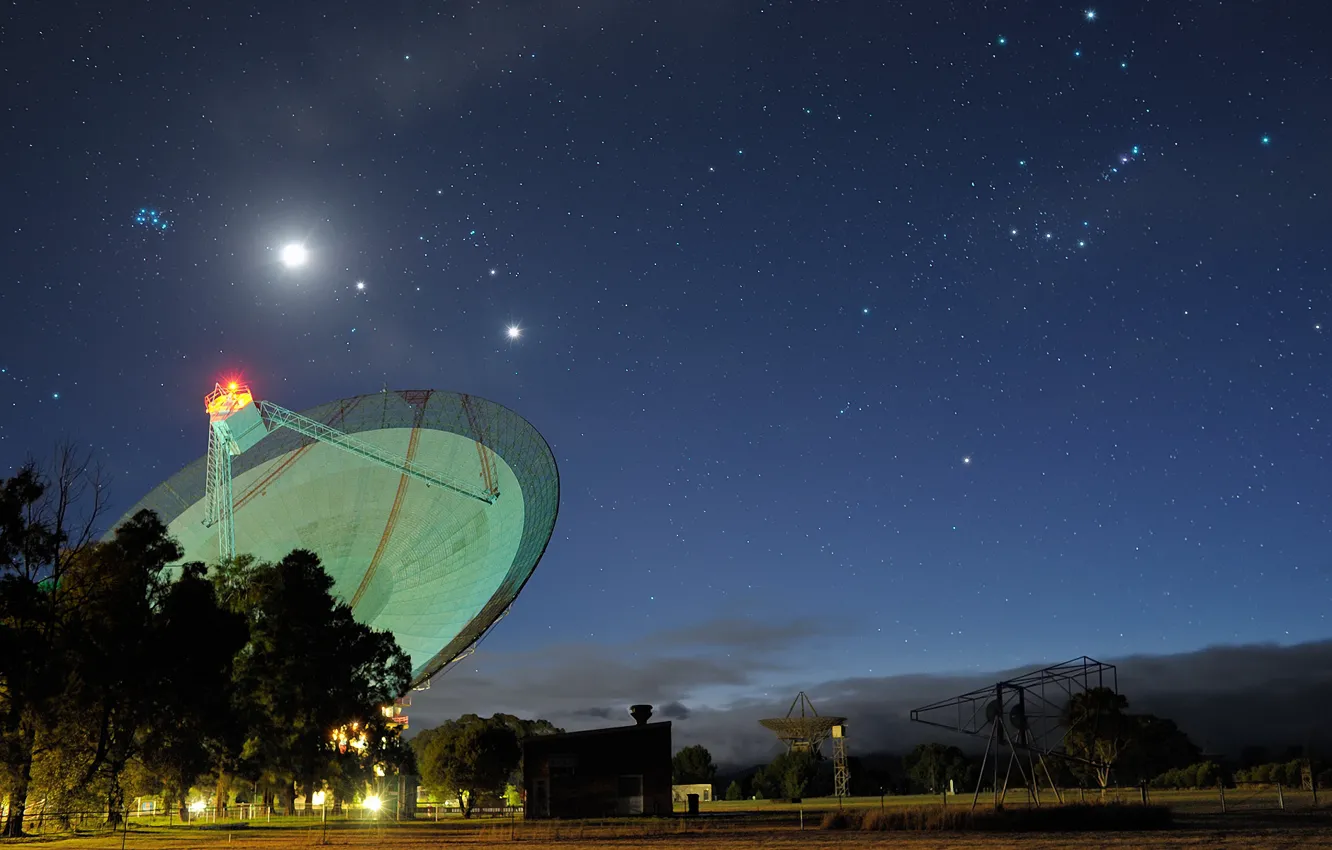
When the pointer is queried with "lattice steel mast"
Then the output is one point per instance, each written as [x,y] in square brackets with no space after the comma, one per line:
[237,422]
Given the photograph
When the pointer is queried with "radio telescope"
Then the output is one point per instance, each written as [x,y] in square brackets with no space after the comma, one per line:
[806,732]
[429,509]
[1024,714]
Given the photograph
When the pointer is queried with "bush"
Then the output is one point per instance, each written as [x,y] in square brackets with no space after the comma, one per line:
[1204,774]
[838,820]
[1075,817]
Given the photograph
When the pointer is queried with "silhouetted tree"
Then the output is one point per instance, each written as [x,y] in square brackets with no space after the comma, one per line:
[693,765]
[309,668]
[468,758]
[931,766]
[195,644]
[1155,745]
[1099,731]
[46,523]
[788,775]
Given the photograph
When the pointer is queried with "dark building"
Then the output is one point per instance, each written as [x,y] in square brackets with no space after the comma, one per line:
[625,770]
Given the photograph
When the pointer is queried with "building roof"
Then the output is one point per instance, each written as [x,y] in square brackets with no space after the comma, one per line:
[589,733]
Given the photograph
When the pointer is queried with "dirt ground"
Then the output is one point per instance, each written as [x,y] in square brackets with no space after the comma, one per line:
[1277,832]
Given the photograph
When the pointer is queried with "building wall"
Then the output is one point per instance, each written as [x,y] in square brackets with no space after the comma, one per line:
[680,793]
[595,773]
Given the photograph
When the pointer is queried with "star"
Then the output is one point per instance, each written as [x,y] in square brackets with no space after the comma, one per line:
[1267,140]
[360,285]
[494,272]
[294,255]
[1001,41]
[513,331]
[966,460]
[1090,14]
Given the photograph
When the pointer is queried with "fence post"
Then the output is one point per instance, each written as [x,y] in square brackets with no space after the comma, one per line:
[1222,788]
[1281,798]
[1143,788]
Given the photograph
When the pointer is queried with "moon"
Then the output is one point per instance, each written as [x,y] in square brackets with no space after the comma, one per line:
[294,255]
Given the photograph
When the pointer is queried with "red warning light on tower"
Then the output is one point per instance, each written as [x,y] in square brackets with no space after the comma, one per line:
[222,402]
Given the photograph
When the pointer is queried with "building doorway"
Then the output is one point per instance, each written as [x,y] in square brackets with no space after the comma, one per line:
[541,798]
[629,794]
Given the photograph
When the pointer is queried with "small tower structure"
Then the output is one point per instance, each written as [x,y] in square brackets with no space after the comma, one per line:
[841,771]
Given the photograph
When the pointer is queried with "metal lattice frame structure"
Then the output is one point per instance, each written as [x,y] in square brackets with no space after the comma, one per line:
[1024,714]
[377,486]
[841,768]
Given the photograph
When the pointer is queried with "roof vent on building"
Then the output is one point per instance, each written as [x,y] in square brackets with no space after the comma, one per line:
[640,713]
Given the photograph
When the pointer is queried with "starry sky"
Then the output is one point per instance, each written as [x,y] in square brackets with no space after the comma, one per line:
[872,338]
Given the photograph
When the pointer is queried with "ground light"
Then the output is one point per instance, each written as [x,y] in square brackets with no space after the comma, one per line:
[373,803]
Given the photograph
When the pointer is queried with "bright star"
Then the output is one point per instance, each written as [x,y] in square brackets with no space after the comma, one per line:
[966,460]
[1090,14]
[514,332]
[1001,41]
[360,284]
[1267,140]
[494,272]
[294,255]
[865,310]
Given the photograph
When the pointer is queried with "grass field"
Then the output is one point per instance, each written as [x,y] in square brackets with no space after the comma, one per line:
[1250,821]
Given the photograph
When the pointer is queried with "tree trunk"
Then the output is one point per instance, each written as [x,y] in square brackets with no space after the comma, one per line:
[289,798]
[18,792]
[115,803]
[307,788]
[465,803]
[220,793]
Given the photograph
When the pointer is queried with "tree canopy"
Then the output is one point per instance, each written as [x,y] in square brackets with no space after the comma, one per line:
[469,757]
[693,765]
[117,672]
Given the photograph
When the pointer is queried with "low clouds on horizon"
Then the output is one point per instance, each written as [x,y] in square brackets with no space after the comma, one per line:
[1224,697]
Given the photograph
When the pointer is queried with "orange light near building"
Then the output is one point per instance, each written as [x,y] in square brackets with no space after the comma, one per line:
[224,401]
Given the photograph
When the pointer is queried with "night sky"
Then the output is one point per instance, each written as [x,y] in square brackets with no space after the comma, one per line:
[919,336]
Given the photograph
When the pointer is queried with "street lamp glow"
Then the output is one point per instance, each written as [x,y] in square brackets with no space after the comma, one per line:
[317,798]
[373,803]
[294,255]
[198,806]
